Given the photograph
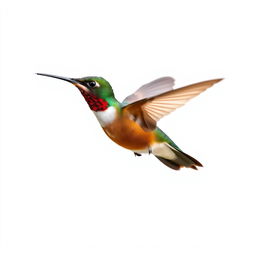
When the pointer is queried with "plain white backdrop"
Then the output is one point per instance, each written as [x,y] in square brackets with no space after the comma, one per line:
[66,189]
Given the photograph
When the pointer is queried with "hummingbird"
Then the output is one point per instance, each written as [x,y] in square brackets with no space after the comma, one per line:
[132,123]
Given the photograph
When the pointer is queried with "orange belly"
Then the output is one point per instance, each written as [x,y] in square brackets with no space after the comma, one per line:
[129,134]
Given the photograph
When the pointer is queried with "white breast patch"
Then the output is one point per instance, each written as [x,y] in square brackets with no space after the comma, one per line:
[106,117]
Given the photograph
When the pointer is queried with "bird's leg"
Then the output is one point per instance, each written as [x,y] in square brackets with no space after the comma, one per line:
[137,154]
[149,151]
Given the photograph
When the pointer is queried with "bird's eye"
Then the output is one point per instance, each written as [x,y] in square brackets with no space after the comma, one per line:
[91,84]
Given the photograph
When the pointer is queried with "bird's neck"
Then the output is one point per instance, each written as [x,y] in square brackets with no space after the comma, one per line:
[106,110]
[108,116]
[99,104]
[95,103]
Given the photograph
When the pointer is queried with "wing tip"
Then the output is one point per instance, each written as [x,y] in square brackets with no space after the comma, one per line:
[217,80]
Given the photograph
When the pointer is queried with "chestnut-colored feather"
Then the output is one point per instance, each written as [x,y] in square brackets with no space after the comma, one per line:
[158,106]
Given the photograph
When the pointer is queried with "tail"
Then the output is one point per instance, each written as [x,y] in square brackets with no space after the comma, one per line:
[173,157]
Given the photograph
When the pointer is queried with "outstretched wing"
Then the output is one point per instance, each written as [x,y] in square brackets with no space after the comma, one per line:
[154,88]
[148,111]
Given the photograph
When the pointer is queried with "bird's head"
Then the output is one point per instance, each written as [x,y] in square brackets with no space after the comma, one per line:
[96,90]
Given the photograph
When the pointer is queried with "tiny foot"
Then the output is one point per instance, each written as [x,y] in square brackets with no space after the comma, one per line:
[137,154]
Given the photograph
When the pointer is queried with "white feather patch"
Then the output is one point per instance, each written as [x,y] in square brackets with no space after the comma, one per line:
[159,149]
[106,117]
[163,150]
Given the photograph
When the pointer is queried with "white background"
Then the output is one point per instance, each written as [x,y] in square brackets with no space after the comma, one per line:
[66,189]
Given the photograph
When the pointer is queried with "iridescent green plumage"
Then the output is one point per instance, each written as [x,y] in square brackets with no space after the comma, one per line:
[132,124]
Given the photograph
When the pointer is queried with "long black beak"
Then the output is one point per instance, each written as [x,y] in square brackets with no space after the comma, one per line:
[71,80]
[74,81]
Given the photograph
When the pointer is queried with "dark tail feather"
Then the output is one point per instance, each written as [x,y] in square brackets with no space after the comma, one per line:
[178,160]
[197,163]
[169,163]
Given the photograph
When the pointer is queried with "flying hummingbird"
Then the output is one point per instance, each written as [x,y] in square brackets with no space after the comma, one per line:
[132,123]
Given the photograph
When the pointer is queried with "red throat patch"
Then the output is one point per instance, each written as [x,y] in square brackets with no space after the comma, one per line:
[95,103]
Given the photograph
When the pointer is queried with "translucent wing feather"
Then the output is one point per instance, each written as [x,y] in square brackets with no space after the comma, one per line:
[152,89]
[149,111]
